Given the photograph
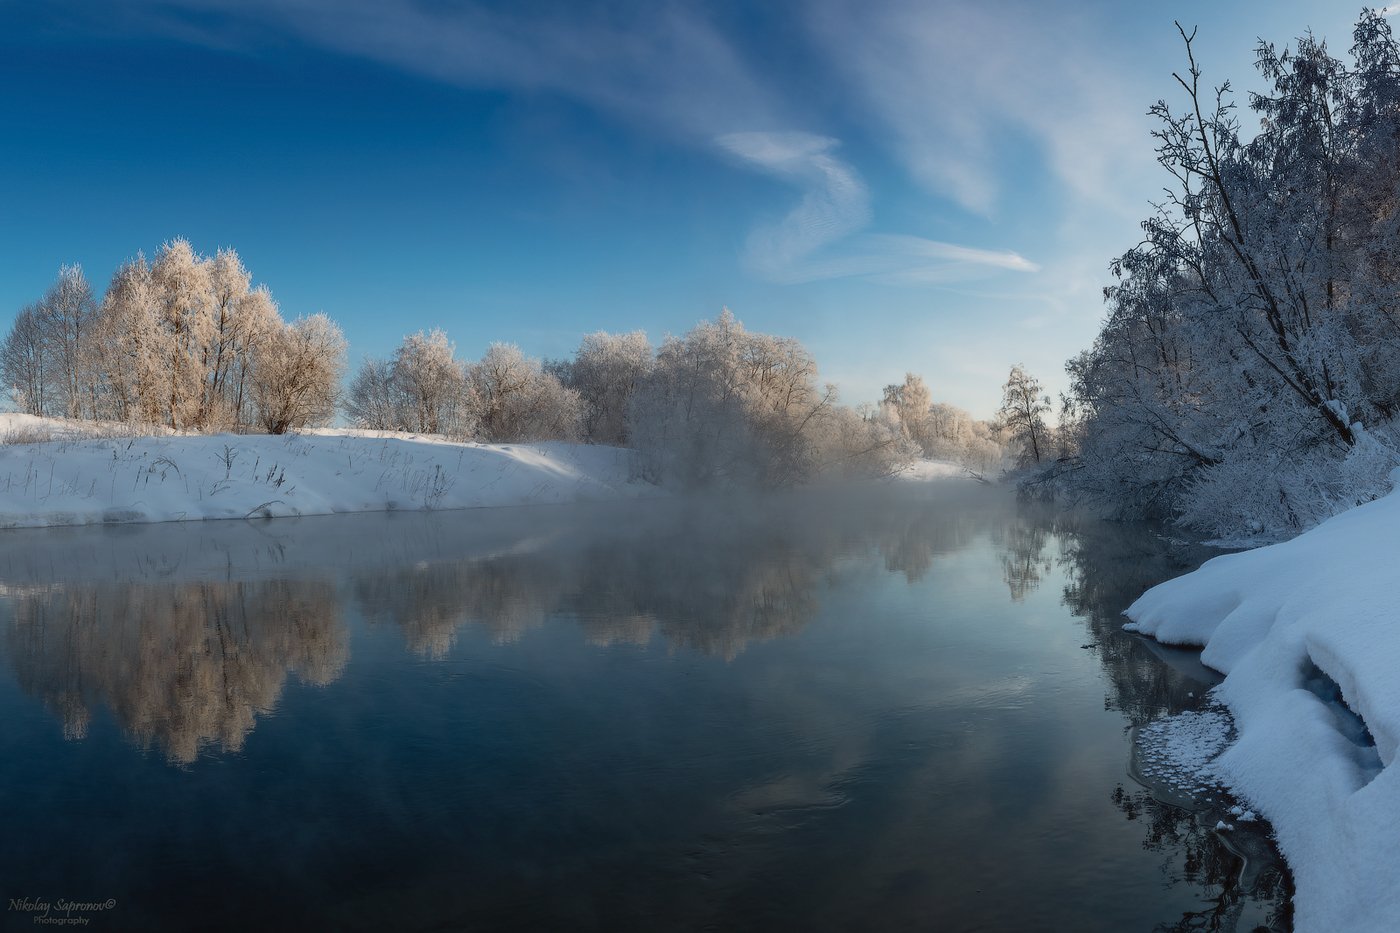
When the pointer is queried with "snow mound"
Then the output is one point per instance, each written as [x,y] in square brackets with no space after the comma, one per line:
[84,480]
[1308,635]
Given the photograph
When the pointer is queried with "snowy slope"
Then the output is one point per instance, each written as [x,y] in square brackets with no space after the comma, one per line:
[1292,625]
[78,481]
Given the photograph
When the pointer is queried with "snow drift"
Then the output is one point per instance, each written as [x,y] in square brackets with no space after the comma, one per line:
[1308,634]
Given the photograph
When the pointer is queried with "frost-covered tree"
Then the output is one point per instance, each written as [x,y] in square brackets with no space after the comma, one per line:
[606,372]
[296,375]
[65,316]
[373,400]
[130,349]
[955,435]
[857,444]
[185,306]
[910,403]
[938,430]
[429,383]
[1022,413]
[46,359]
[1247,377]
[242,316]
[24,361]
[723,405]
[512,398]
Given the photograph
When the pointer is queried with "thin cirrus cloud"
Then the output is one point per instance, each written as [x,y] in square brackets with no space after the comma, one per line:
[664,67]
[823,236]
[950,84]
[669,69]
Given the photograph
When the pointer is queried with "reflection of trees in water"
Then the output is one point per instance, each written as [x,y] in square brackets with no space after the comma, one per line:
[911,540]
[1024,563]
[713,581]
[1191,853]
[712,596]
[180,666]
[185,665]
[1108,565]
[506,595]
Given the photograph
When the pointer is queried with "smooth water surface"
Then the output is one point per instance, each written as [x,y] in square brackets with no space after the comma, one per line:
[909,708]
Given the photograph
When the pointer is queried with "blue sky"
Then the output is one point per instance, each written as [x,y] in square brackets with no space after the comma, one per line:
[926,186]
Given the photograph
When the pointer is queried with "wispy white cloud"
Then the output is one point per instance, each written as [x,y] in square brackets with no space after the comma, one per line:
[966,92]
[822,238]
[663,66]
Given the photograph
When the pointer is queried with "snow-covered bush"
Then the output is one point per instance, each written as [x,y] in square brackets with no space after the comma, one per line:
[1269,496]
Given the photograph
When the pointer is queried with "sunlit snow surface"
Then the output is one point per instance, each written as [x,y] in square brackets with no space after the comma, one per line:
[74,473]
[58,472]
[1308,634]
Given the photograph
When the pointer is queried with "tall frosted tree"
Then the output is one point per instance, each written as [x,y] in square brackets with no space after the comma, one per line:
[374,400]
[1022,413]
[24,361]
[130,346]
[429,382]
[185,307]
[911,403]
[723,405]
[66,315]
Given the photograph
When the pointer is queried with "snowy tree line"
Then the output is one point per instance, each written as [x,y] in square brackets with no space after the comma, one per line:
[183,341]
[189,343]
[1247,378]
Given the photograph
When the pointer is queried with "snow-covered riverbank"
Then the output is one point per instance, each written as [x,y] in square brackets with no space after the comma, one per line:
[1308,634]
[77,480]
[58,472]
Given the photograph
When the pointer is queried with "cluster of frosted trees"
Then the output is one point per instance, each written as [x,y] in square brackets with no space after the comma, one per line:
[719,405]
[1247,377]
[183,341]
[186,342]
[504,396]
[941,431]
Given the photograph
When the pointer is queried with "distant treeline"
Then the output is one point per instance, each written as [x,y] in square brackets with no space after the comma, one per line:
[187,342]
[720,404]
[1247,378]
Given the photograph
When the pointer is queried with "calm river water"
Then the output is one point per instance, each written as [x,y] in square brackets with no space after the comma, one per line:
[907,708]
